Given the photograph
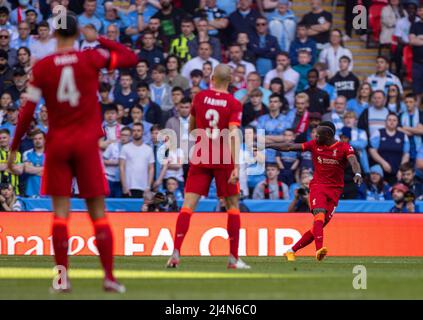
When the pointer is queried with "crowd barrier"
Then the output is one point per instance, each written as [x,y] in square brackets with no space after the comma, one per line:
[265,234]
[133,205]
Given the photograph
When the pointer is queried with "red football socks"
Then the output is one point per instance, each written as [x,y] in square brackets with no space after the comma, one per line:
[305,240]
[319,221]
[182,225]
[60,241]
[234,224]
[104,242]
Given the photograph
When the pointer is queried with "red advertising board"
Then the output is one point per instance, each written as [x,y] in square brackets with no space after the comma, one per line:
[262,234]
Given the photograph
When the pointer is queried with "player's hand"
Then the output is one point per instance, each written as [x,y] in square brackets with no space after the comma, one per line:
[234,178]
[358,180]
[89,33]
[11,160]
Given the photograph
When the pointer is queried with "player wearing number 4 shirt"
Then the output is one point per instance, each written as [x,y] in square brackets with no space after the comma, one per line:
[216,117]
[68,81]
[330,158]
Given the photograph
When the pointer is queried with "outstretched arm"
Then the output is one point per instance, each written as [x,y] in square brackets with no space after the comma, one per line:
[282,146]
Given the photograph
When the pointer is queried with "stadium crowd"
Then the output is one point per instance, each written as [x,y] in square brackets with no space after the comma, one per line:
[290,72]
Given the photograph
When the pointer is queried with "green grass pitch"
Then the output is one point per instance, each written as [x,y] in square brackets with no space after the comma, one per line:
[29,277]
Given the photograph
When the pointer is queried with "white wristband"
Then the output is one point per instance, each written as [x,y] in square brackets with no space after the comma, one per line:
[358,174]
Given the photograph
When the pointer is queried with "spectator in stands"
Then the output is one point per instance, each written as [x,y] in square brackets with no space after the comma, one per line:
[6,176]
[359,139]
[161,93]
[253,82]
[33,160]
[172,188]
[180,45]
[302,42]
[173,76]
[274,123]
[137,114]
[8,200]
[300,201]
[4,20]
[282,24]
[136,165]
[403,202]
[382,79]
[373,118]
[112,32]
[20,78]
[141,73]
[239,79]
[389,17]
[6,72]
[111,162]
[105,96]
[111,127]
[416,41]
[11,119]
[322,82]
[20,12]
[319,23]
[204,54]
[276,86]
[303,67]
[253,109]
[202,26]
[390,148]
[44,44]
[5,101]
[408,178]
[24,59]
[361,101]
[374,187]
[411,123]
[150,51]
[216,17]
[243,19]
[401,33]
[301,115]
[243,40]
[170,18]
[271,188]
[125,96]
[88,16]
[207,73]
[288,161]
[42,121]
[336,116]
[289,76]
[264,46]
[394,102]
[314,119]
[24,38]
[5,45]
[152,111]
[236,58]
[319,100]
[345,81]
[333,53]
[155,143]
[111,19]
[162,41]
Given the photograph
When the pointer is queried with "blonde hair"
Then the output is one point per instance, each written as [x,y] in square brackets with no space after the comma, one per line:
[302,95]
[222,74]
[350,114]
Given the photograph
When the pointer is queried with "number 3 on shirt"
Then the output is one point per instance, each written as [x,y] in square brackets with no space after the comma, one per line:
[213,117]
[67,91]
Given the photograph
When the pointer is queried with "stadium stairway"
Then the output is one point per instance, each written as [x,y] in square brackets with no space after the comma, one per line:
[364,59]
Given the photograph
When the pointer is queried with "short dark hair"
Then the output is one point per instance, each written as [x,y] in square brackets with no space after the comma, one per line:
[411,96]
[4,10]
[174,89]
[185,100]
[143,84]
[37,131]
[406,167]
[6,131]
[196,73]
[345,58]
[313,70]
[105,87]
[139,124]
[71,29]
[45,24]
[159,68]
[329,125]
[155,127]
[275,95]
[383,57]
[125,74]
[126,129]
[144,61]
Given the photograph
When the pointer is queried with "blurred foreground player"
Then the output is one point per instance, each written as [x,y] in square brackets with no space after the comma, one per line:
[216,117]
[330,159]
[68,81]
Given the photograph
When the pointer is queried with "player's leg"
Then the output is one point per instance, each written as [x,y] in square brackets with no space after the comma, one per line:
[197,184]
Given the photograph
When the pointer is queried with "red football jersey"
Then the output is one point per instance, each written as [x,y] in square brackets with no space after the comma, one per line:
[214,112]
[68,81]
[329,162]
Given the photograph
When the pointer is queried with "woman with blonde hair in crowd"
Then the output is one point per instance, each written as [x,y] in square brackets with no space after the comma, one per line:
[8,199]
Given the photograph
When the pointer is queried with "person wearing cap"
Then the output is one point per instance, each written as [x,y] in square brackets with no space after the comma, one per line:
[6,72]
[282,24]
[404,200]
[19,14]
[359,139]
[390,148]
[374,187]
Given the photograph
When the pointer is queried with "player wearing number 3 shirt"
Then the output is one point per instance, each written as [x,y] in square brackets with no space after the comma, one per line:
[216,117]
[68,81]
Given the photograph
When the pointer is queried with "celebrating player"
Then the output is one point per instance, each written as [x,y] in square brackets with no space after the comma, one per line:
[216,116]
[68,81]
[330,158]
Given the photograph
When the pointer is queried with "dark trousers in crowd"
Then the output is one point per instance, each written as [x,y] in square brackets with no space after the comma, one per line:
[115,188]
[135,193]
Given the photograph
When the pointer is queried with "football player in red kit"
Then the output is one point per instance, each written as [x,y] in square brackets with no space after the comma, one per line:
[330,158]
[68,81]
[215,121]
